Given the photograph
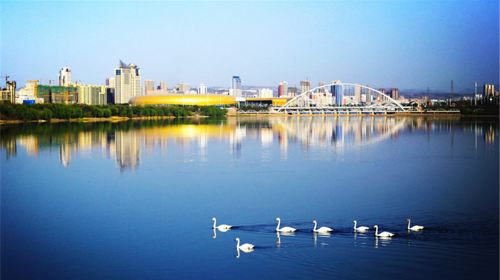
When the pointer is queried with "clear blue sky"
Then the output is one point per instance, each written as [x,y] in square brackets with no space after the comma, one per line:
[405,44]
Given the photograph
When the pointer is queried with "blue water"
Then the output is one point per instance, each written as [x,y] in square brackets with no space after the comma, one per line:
[134,200]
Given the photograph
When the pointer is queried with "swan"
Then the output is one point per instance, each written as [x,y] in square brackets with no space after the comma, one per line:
[247,247]
[384,234]
[321,229]
[222,227]
[360,228]
[415,227]
[283,229]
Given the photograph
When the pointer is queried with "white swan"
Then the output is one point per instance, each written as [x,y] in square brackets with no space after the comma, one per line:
[321,229]
[415,227]
[384,234]
[360,228]
[222,227]
[283,229]
[247,247]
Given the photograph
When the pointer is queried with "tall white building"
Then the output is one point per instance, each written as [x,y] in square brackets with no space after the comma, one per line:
[65,76]
[127,82]
[357,94]
[202,89]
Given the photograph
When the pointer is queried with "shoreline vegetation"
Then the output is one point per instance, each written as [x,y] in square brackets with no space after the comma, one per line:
[18,113]
[54,113]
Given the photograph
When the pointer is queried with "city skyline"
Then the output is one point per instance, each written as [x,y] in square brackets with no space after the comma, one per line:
[418,45]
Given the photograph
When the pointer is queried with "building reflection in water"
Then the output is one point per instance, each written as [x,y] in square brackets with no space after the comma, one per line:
[308,133]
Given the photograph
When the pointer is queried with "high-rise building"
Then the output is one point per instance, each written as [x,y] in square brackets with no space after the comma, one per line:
[163,86]
[339,94]
[149,87]
[337,91]
[381,97]
[92,94]
[283,89]
[395,93]
[292,91]
[357,94]
[305,86]
[488,90]
[202,89]
[128,82]
[236,89]
[65,76]
[368,96]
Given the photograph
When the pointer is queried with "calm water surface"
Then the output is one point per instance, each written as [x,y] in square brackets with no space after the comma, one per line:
[135,200]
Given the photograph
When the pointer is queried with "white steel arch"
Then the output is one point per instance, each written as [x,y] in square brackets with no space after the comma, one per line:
[304,94]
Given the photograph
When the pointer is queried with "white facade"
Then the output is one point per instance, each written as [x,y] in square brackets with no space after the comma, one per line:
[110,82]
[265,93]
[357,94]
[65,76]
[128,83]
[202,89]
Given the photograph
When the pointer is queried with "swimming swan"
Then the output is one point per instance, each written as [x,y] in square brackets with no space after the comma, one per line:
[415,227]
[247,247]
[283,229]
[361,228]
[384,234]
[321,229]
[222,227]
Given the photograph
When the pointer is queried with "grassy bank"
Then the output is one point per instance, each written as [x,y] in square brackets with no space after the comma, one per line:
[48,112]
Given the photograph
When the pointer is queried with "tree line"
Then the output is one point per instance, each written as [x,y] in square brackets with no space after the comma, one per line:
[9,111]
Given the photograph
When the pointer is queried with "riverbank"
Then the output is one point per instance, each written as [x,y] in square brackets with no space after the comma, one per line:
[18,113]
[95,120]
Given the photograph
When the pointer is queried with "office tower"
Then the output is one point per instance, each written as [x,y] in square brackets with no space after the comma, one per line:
[236,89]
[283,89]
[163,86]
[368,96]
[65,76]
[338,92]
[128,82]
[202,89]
[488,90]
[292,91]
[305,86]
[357,94]
[395,93]
[381,97]
[149,87]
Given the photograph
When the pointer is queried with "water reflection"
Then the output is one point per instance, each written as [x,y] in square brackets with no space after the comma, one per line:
[320,235]
[124,142]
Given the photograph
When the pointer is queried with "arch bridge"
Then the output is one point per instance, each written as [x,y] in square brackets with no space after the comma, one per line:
[341,98]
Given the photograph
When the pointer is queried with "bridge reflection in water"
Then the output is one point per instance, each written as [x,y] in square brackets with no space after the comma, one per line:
[130,142]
